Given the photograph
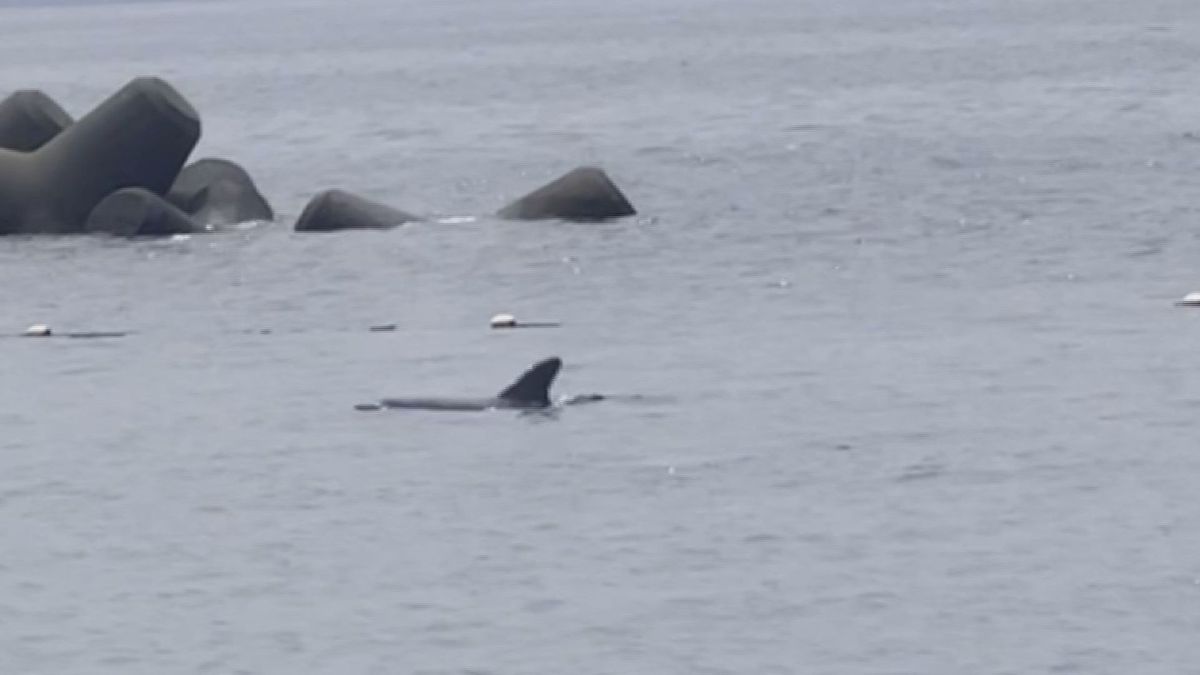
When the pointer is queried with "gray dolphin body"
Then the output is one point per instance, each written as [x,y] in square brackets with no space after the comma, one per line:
[531,391]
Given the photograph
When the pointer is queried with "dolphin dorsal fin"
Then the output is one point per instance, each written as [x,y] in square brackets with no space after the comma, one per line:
[534,386]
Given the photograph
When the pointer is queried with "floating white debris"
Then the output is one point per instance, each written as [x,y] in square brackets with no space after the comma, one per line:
[504,321]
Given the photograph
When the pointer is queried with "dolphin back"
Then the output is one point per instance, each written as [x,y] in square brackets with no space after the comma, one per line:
[438,403]
[533,388]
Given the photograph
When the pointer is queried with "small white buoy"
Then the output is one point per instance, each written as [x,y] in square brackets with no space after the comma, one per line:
[504,321]
[456,220]
[37,330]
[1190,300]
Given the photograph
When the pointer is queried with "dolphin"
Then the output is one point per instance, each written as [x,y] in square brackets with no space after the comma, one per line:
[531,391]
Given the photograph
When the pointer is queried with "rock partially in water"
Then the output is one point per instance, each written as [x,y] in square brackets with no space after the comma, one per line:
[334,210]
[217,193]
[139,137]
[137,212]
[584,194]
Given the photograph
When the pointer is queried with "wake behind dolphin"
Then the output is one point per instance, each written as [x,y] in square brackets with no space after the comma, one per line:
[531,391]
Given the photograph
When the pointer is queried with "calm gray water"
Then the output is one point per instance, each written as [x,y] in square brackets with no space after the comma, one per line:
[906,389]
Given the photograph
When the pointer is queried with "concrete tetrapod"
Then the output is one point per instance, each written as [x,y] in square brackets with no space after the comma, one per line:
[29,118]
[139,137]
[334,210]
[138,212]
[584,194]
[218,192]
